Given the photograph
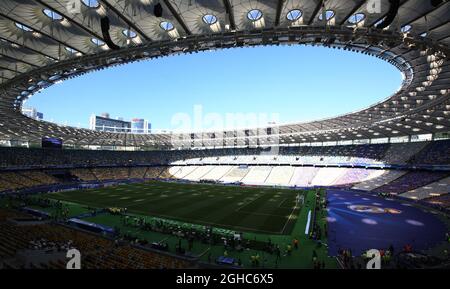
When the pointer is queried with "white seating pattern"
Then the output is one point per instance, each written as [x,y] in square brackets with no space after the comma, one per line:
[327,176]
[280,175]
[198,173]
[379,178]
[235,175]
[257,175]
[303,176]
[217,172]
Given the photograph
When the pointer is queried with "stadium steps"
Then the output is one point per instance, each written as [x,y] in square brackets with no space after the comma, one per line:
[435,189]
[256,175]
[145,173]
[327,176]
[168,172]
[265,180]
[303,176]
[401,153]
[137,172]
[410,181]
[236,174]
[160,172]
[210,168]
[350,176]
[153,172]
[418,153]
[443,201]
[14,183]
[373,183]
[292,175]
[92,172]
[30,178]
[129,172]
[218,172]
[199,173]
[183,171]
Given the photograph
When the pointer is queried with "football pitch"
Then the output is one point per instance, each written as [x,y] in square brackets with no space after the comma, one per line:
[247,209]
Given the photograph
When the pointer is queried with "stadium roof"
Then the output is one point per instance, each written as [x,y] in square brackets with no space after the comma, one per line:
[43,42]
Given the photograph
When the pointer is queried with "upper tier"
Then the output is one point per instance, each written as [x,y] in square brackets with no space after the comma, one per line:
[435,153]
[43,43]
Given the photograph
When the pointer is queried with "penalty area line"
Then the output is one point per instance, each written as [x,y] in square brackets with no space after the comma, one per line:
[288,219]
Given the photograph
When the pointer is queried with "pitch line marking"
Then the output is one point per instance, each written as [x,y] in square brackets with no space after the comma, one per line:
[195,221]
[262,214]
[288,219]
[279,205]
[245,204]
[148,213]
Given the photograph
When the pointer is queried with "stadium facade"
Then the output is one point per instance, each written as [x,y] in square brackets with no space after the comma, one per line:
[387,164]
[44,43]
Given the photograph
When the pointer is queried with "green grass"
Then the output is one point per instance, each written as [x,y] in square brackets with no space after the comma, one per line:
[261,213]
[249,209]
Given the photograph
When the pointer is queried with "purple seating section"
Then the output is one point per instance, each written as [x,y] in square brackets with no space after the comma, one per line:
[411,181]
[443,201]
[435,153]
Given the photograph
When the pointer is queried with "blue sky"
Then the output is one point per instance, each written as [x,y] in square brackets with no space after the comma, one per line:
[297,83]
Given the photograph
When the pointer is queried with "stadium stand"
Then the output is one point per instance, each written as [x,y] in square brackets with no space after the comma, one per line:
[110,174]
[257,175]
[199,173]
[411,181]
[84,174]
[182,172]
[236,174]
[167,173]
[442,201]
[441,187]
[4,185]
[327,176]
[217,172]
[7,183]
[379,178]
[352,176]
[402,152]
[196,165]
[98,252]
[437,152]
[153,172]
[19,179]
[280,175]
[369,151]
[380,149]
[303,176]
[137,172]
[39,177]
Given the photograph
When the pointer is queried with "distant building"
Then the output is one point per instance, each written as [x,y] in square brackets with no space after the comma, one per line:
[139,125]
[40,115]
[31,112]
[103,123]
